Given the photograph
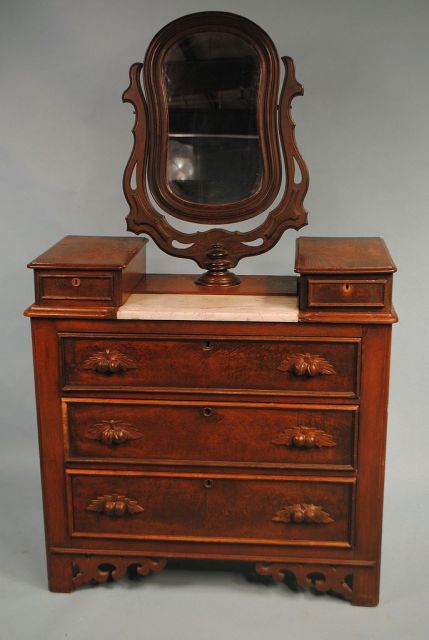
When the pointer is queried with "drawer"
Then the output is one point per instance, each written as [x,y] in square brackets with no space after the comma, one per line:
[324,292]
[217,508]
[304,366]
[86,272]
[79,286]
[222,434]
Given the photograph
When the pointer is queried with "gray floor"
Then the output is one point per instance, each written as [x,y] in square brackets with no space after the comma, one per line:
[205,605]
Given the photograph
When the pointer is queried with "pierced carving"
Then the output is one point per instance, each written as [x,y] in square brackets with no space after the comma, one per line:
[113,432]
[92,569]
[320,578]
[302,514]
[109,361]
[144,217]
[306,364]
[304,437]
[114,505]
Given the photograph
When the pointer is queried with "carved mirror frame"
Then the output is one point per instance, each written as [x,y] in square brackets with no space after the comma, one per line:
[215,249]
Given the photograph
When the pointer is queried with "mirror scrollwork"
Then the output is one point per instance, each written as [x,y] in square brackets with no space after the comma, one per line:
[207,139]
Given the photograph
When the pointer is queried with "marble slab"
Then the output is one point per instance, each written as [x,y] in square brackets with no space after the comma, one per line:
[153,306]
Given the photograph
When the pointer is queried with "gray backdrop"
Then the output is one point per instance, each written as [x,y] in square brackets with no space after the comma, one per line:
[65,137]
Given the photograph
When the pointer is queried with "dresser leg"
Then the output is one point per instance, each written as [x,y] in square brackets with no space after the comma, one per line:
[68,572]
[366,587]
[60,574]
[320,578]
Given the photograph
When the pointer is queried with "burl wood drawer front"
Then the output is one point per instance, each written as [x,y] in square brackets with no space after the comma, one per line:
[308,366]
[226,434]
[81,286]
[240,509]
[346,293]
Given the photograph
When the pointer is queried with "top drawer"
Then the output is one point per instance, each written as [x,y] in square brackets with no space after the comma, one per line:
[304,366]
[88,272]
[347,292]
[76,286]
[345,280]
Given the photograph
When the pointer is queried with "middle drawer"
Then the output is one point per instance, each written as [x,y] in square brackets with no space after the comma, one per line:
[229,434]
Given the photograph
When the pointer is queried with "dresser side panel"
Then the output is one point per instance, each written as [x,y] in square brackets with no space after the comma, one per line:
[46,373]
[371,458]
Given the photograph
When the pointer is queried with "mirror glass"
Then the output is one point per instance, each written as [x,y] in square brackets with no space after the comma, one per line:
[214,153]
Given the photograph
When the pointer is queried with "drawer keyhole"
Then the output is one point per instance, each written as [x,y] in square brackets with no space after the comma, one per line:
[208,346]
[209,483]
[347,288]
[76,282]
[207,411]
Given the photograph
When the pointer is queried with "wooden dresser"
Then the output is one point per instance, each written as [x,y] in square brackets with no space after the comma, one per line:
[245,424]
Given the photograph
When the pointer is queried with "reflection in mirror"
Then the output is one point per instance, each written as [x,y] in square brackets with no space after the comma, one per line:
[214,154]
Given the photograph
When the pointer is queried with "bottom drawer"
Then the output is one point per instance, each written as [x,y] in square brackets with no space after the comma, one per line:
[221,508]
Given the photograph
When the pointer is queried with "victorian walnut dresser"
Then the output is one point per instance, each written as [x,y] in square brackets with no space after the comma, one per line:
[221,418]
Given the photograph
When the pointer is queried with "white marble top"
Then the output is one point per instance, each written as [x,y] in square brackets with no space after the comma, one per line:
[166,306]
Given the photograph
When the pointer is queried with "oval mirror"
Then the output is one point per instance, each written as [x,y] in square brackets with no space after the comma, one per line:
[208,124]
[211,81]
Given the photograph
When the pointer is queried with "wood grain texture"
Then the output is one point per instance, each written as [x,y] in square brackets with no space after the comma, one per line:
[346,293]
[218,508]
[87,272]
[345,280]
[194,433]
[67,573]
[203,364]
[342,255]
[89,252]
[96,287]
[336,580]
[348,317]
[215,249]
[222,544]
[200,451]
[249,285]
[154,83]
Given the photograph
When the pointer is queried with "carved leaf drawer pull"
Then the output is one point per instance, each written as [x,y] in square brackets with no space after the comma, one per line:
[304,437]
[109,361]
[302,514]
[114,505]
[306,364]
[113,432]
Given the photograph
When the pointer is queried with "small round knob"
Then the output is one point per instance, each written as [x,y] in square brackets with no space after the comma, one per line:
[300,368]
[109,507]
[118,437]
[297,516]
[309,441]
[76,282]
[208,483]
[120,508]
[207,411]
[310,514]
[299,440]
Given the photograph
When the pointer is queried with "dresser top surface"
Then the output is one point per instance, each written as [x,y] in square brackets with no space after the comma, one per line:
[343,255]
[207,307]
[89,252]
